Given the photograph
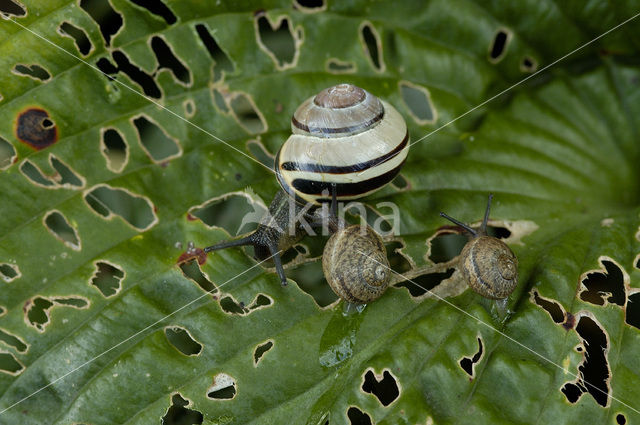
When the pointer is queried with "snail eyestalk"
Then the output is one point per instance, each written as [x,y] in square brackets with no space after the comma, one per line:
[459,223]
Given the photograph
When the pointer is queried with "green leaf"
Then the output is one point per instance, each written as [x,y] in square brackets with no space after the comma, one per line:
[105,192]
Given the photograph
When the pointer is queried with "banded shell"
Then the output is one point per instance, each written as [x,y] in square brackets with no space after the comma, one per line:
[343,135]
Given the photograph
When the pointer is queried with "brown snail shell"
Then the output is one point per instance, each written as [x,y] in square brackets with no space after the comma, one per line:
[489,267]
[355,264]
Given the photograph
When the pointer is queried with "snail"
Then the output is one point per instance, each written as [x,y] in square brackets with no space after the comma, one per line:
[487,264]
[346,143]
[355,264]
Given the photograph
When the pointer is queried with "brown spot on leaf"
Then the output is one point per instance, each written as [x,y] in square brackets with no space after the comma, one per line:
[569,321]
[35,128]
[195,253]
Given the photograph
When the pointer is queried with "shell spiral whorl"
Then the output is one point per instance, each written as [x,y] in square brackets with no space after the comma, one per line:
[343,135]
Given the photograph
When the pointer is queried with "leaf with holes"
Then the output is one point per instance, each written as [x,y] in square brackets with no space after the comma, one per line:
[133,133]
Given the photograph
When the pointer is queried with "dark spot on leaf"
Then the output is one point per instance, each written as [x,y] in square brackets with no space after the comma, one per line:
[13,341]
[223,388]
[246,113]
[7,154]
[229,306]
[9,364]
[309,5]
[598,285]
[570,321]
[553,308]
[192,271]
[105,16]
[419,286]
[9,272]
[632,314]
[278,41]
[168,60]
[222,63]
[83,44]
[136,210]
[178,414]
[499,45]
[182,340]
[238,176]
[59,226]
[107,278]
[418,101]
[66,176]
[386,390]
[261,350]
[593,371]
[528,64]
[372,45]
[621,419]
[468,363]
[114,149]
[159,8]
[35,128]
[144,80]
[34,71]
[12,8]
[358,417]
[154,140]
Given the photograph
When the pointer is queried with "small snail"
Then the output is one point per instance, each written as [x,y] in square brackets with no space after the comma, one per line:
[355,264]
[487,264]
[345,142]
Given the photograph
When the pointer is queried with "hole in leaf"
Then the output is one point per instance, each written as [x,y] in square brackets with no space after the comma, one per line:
[13,341]
[385,389]
[71,302]
[632,315]
[498,232]
[468,363]
[168,60]
[246,113]
[397,261]
[310,6]
[310,279]
[261,350]
[12,7]
[336,66]
[553,308]
[499,45]
[144,80]
[418,100]
[9,364]
[159,8]
[34,71]
[105,16]
[155,142]
[400,183]
[35,128]
[607,286]
[83,44]
[259,152]
[182,340]
[621,419]
[235,213]
[260,301]
[219,102]
[34,174]
[358,417]
[114,149]
[136,210]
[222,63]
[192,271]
[59,226]
[593,371]
[107,278]
[223,388]
[446,246]
[7,154]
[372,45]
[230,306]
[67,177]
[37,310]
[419,286]
[189,108]
[528,64]
[276,39]
[178,414]
[9,272]
[106,66]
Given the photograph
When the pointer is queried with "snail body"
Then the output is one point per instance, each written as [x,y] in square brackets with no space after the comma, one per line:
[487,264]
[355,264]
[343,135]
[346,143]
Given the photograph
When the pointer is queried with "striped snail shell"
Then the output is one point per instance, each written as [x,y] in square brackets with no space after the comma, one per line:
[355,264]
[343,135]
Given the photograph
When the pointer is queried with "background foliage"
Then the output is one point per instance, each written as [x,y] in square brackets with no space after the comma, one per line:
[103,191]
